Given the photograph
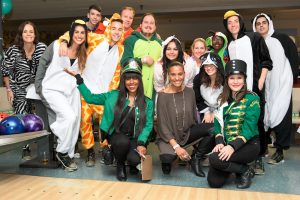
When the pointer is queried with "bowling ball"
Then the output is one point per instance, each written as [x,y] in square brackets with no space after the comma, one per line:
[11,125]
[33,123]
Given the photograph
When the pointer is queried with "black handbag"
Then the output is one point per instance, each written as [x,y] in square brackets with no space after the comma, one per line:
[108,156]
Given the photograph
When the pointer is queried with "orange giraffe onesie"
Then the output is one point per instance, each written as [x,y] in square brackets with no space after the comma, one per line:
[101,74]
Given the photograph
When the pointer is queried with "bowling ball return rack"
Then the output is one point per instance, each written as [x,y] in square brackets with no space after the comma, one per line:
[45,156]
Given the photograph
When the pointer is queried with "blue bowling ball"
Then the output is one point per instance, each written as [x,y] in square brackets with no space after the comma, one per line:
[11,125]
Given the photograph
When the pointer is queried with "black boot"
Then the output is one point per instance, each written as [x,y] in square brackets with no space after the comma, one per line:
[244,179]
[133,170]
[204,146]
[166,168]
[244,174]
[196,166]
[121,171]
[91,158]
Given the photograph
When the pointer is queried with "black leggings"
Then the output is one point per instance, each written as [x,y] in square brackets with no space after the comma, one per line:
[204,146]
[220,170]
[123,148]
[283,130]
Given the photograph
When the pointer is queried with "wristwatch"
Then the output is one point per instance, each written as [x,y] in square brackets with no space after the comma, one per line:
[211,109]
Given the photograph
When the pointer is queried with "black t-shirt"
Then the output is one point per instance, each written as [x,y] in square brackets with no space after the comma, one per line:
[128,126]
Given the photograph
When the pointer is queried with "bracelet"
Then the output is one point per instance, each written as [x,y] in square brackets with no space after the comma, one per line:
[176,146]
[143,60]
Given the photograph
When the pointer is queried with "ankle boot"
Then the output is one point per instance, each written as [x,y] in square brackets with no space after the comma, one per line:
[166,168]
[121,171]
[133,170]
[244,174]
[196,166]
[204,146]
[244,179]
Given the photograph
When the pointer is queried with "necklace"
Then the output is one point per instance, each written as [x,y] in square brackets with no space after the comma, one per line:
[177,115]
[28,52]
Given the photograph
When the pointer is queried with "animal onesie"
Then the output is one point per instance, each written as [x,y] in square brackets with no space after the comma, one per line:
[137,46]
[279,84]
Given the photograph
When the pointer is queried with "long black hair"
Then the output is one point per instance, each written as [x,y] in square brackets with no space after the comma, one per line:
[166,62]
[140,102]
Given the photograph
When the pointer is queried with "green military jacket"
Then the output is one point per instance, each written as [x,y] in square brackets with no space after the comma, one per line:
[237,123]
[109,101]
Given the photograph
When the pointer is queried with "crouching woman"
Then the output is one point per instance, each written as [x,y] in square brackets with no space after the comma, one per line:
[235,129]
[128,116]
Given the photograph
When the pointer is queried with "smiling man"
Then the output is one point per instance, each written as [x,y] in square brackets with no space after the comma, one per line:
[146,47]
[127,14]
[94,23]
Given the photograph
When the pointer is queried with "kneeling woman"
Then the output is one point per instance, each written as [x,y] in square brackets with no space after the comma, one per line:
[128,116]
[235,127]
[177,127]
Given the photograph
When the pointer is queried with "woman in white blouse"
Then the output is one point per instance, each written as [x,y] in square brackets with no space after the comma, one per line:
[208,85]
[172,51]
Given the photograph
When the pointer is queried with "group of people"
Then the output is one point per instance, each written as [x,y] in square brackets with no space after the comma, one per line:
[221,100]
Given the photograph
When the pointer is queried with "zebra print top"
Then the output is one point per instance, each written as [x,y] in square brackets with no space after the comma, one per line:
[21,70]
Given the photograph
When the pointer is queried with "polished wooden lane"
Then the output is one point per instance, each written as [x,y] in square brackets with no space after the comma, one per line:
[25,187]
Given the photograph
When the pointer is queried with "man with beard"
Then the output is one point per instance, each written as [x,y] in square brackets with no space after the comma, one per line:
[146,47]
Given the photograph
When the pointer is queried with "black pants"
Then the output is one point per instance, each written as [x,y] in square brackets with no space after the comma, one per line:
[283,130]
[219,170]
[263,136]
[123,148]
[198,131]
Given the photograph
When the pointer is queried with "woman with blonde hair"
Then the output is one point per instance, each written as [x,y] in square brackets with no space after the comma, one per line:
[198,48]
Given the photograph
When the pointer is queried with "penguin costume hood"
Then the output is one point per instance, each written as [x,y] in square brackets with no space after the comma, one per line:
[270,22]
[242,30]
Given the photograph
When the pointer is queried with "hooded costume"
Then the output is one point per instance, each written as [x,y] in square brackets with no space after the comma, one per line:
[137,46]
[252,49]
[59,94]
[279,83]
[223,53]
[101,74]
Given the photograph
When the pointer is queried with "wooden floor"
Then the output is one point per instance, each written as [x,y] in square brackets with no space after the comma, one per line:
[32,187]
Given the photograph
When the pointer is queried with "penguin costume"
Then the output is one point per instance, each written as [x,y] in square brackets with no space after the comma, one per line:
[278,85]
